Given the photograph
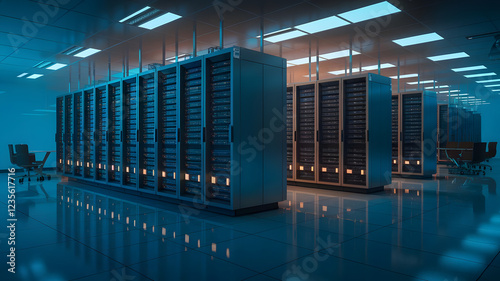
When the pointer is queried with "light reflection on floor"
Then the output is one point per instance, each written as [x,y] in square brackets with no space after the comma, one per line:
[434,229]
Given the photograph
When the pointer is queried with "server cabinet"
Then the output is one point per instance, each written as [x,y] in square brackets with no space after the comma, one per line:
[192,131]
[418,128]
[114,132]
[290,129]
[101,133]
[366,131]
[168,128]
[60,134]
[130,132]
[147,131]
[79,144]
[89,136]
[305,116]
[443,131]
[454,124]
[395,134]
[68,134]
[476,127]
[328,132]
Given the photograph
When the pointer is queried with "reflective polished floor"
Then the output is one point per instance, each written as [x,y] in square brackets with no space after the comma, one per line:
[446,228]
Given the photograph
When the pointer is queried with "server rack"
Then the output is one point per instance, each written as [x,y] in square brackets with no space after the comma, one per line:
[89,136]
[168,129]
[443,131]
[115,132]
[395,134]
[476,127]
[130,132]
[290,129]
[68,134]
[454,123]
[59,134]
[332,140]
[79,144]
[147,131]
[417,131]
[101,133]
[211,128]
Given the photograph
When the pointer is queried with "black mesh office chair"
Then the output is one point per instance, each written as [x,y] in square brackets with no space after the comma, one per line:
[27,161]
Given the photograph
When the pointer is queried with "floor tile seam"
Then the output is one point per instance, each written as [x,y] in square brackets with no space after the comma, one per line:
[496,256]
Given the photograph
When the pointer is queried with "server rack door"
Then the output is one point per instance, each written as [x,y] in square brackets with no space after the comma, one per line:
[395,134]
[101,133]
[60,134]
[168,129]
[115,132]
[355,106]
[305,132]
[289,134]
[328,134]
[79,132]
[192,130]
[89,133]
[68,134]
[412,130]
[453,124]
[218,120]
[130,133]
[442,131]
[147,132]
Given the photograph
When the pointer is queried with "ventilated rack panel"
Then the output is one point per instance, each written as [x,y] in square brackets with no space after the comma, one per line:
[101,132]
[443,130]
[289,132]
[59,133]
[115,134]
[219,130]
[79,129]
[395,133]
[412,133]
[192,121]
[147,132]
[328,134]
[68,134]
[168,130]
[89,125]
[130,132]
[355,127]
[305,118]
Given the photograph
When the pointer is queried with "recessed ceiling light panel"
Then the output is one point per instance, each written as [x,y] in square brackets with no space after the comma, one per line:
[469,68]
[451,56]
[370,12]
[418,39]
[322,24]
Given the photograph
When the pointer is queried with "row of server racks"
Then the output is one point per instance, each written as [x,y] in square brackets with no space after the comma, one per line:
[338,132]
[456,124]
[414,141]
[182,131]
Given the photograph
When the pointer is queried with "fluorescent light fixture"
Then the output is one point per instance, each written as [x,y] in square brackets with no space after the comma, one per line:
[458,55]
[480,75]
[304,60]
[87,52]
[57,66]
[421,82]
[312,75]
[437,87]
[496,85]
[22,75]
[45,110]
[289,65]
[463,94]
[135,14]
[159,21]
[469,68]
[418,39]
[454,95]
[488,81]
[338,54]
[375,67]
[496,90]
[343,71]
[405,76]
[274,32]
[34,76]
[322,24]
[285,36]
[370,12]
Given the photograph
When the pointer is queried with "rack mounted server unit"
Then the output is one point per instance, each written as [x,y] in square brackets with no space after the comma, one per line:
[210,130]
[340,133]
[416,135]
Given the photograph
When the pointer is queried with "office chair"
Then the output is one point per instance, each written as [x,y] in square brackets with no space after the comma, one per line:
[27,161]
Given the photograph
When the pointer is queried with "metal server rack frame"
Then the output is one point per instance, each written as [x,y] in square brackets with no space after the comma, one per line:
[290,132]
[115,132]
[396,135]
[78,139]
[443,124]
[59,137]
[68,134]
[427,143]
